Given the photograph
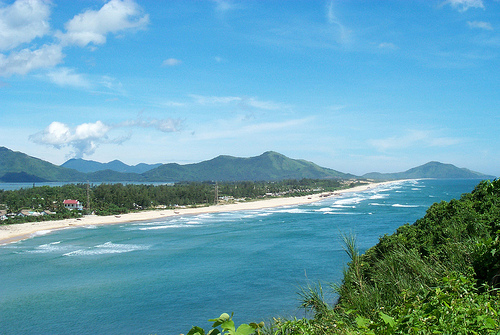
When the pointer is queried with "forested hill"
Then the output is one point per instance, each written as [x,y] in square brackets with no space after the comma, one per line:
[268,166]
[430,170]
[19,167]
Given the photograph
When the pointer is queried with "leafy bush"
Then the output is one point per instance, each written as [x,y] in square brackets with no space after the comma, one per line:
[227,326]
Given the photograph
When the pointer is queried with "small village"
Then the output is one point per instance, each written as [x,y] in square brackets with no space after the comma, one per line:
[69,204]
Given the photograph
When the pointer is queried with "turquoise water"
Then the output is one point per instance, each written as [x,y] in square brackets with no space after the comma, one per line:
[163,276]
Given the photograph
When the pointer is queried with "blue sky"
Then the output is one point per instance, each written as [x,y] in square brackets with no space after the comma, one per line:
[357,86]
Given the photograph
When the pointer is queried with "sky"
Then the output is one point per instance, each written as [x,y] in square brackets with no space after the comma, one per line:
[356,86]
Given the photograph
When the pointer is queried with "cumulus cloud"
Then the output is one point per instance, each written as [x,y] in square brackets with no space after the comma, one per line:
[28,60]
[480,25]
[25,20]
[83,139]
[464,5]
[171,62]
[92,26]
[22,22]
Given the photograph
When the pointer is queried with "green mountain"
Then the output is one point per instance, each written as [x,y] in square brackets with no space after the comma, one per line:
[19,167]
[430,170]
[87,166]
[268,166]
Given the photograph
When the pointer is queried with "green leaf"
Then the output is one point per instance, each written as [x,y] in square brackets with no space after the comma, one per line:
[228,326]
[220,320]
[196,331]
[489,323]
[387,319]
[362,322]
[245,329]
[214,331]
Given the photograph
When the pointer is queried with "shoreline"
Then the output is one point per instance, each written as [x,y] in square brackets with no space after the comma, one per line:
[21,231]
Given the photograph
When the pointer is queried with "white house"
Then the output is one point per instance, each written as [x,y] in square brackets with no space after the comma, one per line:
[72,204]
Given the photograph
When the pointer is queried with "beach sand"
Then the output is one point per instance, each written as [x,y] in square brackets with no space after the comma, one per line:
[15,232]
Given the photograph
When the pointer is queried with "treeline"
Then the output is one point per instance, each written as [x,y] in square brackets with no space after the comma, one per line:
[440,275]
[111,199]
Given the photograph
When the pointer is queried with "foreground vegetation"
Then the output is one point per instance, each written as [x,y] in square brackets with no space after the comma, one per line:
[440,275]
[112,199]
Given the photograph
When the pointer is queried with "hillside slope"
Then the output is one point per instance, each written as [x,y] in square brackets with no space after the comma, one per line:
[268,166]
[430,170]
[20,167]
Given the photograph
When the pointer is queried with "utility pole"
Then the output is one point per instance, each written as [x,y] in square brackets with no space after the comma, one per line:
[216,193]
[88,196]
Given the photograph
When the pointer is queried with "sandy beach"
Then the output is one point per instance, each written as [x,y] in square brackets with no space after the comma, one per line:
[15,232]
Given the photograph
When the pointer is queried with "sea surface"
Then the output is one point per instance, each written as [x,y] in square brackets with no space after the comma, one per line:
[164,276]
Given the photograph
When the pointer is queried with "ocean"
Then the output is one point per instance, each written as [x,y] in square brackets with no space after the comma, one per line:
[164,276]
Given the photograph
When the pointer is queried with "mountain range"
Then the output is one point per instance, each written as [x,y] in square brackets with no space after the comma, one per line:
[19,167]
[87,166]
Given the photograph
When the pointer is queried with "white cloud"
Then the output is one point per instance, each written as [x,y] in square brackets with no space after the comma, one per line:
[214,100]
[387,45]
[84,139]
[56,134]
[411,139]
[92,26]
[224,5]
[91,130]
[110,83]
[342,31]
[171,62]
[480,25]
[235,130]
[28,60]
[25,20]
[243,102]
[67,77]
[464,5]
[164,125]
[267,105]
[22,22]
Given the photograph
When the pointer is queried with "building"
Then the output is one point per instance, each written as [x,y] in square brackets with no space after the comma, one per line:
[72,204]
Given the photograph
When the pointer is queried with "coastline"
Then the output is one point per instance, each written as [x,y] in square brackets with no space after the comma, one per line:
[21,231]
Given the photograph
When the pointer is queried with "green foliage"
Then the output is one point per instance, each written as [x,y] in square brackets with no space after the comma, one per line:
[437,276]
[454,307]
[227,326]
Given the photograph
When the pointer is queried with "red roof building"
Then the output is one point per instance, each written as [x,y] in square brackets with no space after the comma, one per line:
[72,204]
